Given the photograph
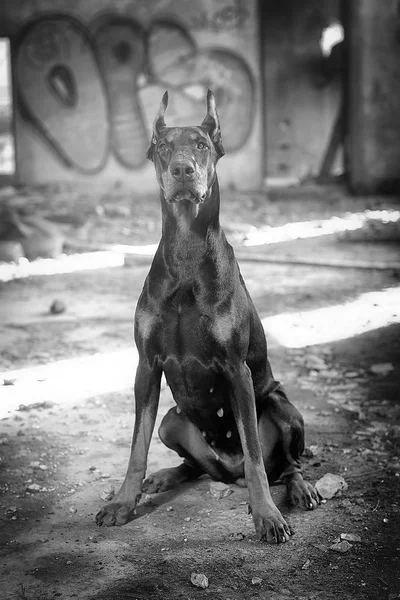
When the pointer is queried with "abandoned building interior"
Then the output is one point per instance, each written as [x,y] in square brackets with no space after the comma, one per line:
[308,96]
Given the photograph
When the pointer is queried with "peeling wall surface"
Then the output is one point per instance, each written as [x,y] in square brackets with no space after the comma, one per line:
[89,76]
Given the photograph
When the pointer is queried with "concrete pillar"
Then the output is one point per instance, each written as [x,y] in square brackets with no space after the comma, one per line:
[373,143]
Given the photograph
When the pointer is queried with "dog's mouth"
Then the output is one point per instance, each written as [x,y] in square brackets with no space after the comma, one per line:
[189,195]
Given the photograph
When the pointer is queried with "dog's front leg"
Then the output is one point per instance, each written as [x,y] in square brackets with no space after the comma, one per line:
[268,521]
[147,392]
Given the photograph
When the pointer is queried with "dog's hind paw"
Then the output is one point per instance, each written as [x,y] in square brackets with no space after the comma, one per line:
[301,493]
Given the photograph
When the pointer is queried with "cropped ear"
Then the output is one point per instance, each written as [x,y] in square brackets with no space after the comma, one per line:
[158,125]
[211,123]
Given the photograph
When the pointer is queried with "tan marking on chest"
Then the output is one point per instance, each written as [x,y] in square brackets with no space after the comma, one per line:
[145,322]
[223,328]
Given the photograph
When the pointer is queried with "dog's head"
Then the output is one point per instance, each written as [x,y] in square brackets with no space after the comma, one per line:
[185,157]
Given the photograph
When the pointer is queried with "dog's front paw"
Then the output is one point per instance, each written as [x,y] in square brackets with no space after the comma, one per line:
[301,493]
[116,513]
[272,528]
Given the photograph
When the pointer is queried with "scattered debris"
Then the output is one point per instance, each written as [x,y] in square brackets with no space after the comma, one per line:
[315,363]
[219,489]
[330,485]
[33,487]
[343,546]
[57,307]
[350,537]
[108,493]
[114,210]
[381,368]
[236,536]
[312,450]
[394,432]
[199,580]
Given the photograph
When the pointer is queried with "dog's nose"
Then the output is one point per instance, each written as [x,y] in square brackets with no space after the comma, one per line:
[182,169]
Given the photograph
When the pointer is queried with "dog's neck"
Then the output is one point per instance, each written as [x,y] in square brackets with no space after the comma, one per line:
[183,219]
[191,244]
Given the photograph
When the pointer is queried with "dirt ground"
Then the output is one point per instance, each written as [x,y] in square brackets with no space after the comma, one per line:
[64,443]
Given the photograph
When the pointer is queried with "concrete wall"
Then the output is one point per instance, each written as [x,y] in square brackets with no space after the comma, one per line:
[89,76]
[302,91]
[374,96]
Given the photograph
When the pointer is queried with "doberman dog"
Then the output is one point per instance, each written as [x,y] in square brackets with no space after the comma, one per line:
[196,323]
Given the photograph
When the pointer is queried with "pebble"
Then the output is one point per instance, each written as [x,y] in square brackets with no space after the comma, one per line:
[199,580]
[350,537]
[57,307]
[315,363]
[312,450]
[236,536]
[330,485]
[33,487]
[343,546]
[256,581]
[381,368]
[220,490]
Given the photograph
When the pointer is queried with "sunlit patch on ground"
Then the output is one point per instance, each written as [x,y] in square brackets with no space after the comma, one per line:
[319,227]
[369,311]
[63,264]
[69,380]
[75,379]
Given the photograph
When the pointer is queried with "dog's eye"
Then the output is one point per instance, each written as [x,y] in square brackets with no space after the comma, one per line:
[202,146]
[162,147]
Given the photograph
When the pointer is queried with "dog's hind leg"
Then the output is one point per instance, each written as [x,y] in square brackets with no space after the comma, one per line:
[180,434]
[281,433]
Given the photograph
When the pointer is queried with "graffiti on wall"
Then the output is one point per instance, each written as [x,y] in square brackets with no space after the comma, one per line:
[92,92]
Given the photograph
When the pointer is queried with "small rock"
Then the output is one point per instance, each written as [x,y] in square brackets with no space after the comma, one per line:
[315,363]
[352,374]
[350,537]
[114,210]
[381,368]
[236,536]
[33,487]
[394,432]
[9,381]
[256,581]
[312,450]
[393,467]
[330,485]
[330,374]
[343,546]
[219,489]
[108,493]
[199,580]
[57,307]
[306,565]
